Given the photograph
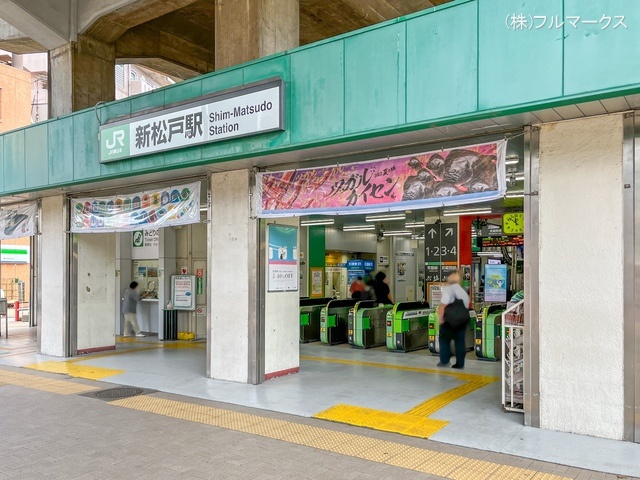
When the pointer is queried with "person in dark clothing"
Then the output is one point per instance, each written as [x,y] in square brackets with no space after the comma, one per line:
[381,289]
[452,292]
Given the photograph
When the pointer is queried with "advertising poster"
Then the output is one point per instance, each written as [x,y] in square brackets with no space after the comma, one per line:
[401,269]
[317,282]
[282,258]
[441,178]
[178,205]
[182,292]
[18,222]
[495,283]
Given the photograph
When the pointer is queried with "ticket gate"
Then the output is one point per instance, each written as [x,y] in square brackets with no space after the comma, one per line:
[488,341]
[367,324]
[310,318]
[334,318]
[434,333]
[407,326]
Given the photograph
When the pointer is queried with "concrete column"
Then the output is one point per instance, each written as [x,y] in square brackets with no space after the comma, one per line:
[81,74]
[232,279]
[250,29]
[581,265]
[54,263]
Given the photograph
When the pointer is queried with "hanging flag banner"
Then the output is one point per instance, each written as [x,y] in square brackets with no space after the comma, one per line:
[164,207]
[431,179]
[18,222]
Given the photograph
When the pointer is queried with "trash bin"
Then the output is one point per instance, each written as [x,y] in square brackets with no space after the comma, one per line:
[170,329]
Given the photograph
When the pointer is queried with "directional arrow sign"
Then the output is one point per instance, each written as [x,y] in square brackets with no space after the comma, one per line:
[448,232]
[432,233]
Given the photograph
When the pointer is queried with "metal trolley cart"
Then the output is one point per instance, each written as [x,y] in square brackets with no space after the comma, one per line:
[489,332]
[333,321]
[310,318]
[367,324]
[513,359]
[434,333]
[407,326]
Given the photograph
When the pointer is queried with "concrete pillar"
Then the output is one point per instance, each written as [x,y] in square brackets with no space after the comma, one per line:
[581,265]
[54,262]
[81,74]
[250,29]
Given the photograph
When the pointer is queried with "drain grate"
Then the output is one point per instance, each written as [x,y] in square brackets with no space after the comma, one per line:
[119,392]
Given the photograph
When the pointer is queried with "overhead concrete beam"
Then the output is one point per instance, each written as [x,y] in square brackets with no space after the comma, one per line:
[123,15]
[160,50]
[14,41]
[47,23]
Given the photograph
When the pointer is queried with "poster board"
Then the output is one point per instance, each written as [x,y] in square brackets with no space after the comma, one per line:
[495,283]
[282,258]
[183,292]
[434,293]
[317,282]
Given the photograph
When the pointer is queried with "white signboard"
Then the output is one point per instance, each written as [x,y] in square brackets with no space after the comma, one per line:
[416,313]
[250,111]
[18,222]
[183,292]
[145,244]
[14,253]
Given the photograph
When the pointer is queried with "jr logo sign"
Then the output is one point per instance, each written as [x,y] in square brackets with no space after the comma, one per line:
[115,142]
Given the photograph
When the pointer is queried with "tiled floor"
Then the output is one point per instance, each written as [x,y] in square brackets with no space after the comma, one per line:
[55,432]
[373,380]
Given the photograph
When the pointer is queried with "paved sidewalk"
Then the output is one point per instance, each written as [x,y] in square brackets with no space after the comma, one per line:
[53,427]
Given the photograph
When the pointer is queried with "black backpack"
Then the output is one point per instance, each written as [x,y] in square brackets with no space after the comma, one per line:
[456,315]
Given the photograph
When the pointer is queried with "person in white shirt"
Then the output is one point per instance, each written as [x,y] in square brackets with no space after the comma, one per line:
[453,315]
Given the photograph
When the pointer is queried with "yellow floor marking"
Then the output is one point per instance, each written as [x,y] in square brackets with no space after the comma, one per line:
[51,385]
[456,467]
[414,422]
[74,370]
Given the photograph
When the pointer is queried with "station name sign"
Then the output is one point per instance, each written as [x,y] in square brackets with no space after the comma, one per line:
[252,110]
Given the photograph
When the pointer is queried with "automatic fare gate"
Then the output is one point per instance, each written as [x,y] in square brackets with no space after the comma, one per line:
[434,333]
[310,309]
[367,324]
[334,321]
[407,326]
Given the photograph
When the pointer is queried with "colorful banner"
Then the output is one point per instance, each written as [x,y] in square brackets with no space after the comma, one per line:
[18,222]
[495,283]
[431,179]
[179,205]
[283,258]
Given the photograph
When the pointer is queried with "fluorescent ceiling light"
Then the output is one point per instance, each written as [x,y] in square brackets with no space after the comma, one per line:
[386,217]
[478,211]
[414,225]
[489,254]
[515,194]
[318,221]
[512,162]
[396,233]
[519,178]
[354,228]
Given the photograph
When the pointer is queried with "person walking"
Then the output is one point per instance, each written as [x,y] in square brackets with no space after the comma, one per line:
[357,288]
[129,309]
[381,289]
[453,315]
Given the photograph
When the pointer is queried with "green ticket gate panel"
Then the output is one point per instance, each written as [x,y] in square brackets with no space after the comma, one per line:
[333,321]
[434,333]
[310,309]
[408,326]
[367,325]
[488,341]
[352,318]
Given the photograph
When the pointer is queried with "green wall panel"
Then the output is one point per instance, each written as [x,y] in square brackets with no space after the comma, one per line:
[317,92]
[597,58]
[442,63]
[222,81]
[518,66]
[375,78]
[317,246]
[120,108]
[14,164]
[182,92]
[86,151]
[148,100]
[36,157]
[61,141]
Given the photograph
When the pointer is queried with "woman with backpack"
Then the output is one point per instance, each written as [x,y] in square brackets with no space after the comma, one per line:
[453,314]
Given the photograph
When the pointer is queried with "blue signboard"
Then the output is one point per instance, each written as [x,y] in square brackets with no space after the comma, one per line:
[495,283]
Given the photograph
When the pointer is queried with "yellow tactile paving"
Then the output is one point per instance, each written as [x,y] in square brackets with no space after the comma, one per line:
[75,370]
[415,422]
[51,385]
[456,467]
